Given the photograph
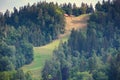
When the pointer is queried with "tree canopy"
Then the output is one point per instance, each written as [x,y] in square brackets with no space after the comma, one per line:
[91,53]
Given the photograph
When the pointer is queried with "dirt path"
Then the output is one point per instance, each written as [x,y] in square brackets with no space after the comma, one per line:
[76,23]
[43,53]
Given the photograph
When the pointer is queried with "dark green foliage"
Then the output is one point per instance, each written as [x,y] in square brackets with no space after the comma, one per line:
[91,53]
[53,69]
[6,57]
[25,49]
[5,64]
[24,53]
[114,71]
[34,23]
[48,73]
[74,10]
[67,8]
[37,25]
[13,57]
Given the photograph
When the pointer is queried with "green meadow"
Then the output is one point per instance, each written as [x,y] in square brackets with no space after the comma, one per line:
[41,54]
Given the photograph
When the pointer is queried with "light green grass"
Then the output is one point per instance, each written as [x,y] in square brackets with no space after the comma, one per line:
[41,54]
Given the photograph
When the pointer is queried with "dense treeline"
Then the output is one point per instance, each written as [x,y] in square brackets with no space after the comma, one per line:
[12,57]
[75,10]
[33,23]
[22,29]
[92,53]
[28,26]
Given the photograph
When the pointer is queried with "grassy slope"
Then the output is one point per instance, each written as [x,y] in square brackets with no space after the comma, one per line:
[41,54]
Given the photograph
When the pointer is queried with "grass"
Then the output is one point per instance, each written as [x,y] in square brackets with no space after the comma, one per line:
[41,54]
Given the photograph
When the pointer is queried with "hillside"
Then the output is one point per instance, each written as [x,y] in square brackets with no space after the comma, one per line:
[76,23]
[43,53]
[52,41]
[92,53]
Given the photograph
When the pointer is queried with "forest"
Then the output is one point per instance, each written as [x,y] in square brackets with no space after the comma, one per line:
[91,53]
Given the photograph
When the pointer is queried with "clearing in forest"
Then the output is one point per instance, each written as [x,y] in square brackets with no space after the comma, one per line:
[43,53]
[76,23]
